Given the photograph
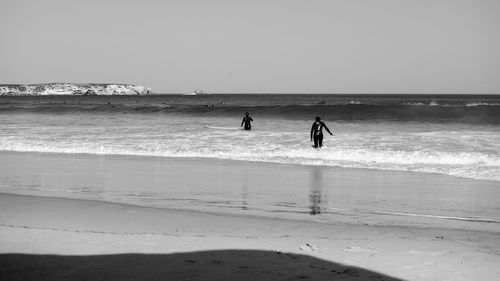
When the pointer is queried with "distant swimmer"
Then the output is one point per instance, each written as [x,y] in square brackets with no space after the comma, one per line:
[317,132]
[246,120]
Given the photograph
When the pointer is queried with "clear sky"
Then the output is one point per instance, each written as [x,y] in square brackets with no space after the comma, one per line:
[330,46]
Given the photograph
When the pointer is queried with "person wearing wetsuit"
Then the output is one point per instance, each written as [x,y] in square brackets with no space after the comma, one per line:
[317,133]
[246,120]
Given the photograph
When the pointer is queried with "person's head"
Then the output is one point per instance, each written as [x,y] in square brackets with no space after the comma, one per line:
[317,118]
[247,113]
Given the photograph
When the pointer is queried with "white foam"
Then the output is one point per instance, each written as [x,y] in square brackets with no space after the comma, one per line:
[456,151]
[441,217]
[472,104]
[468,165]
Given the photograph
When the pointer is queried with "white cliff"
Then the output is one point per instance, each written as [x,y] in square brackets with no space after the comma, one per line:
[72,89]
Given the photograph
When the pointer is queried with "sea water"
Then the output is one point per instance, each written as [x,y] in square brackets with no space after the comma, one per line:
[452,135]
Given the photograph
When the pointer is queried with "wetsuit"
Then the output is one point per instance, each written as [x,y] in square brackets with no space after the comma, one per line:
[247,120]
[317,133]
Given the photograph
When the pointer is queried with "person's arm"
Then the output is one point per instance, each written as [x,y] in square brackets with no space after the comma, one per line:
[251,119]
[328,130]
[242,121]
[312,131]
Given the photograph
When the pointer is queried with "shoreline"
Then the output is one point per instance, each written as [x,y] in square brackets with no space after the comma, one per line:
[263,217]
[237,216]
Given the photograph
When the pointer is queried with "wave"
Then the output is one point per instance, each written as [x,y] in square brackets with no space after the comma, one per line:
[482,104]
[471,104]
[474,113]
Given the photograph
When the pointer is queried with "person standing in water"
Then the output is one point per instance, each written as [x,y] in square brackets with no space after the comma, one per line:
[246,120]
[317,132]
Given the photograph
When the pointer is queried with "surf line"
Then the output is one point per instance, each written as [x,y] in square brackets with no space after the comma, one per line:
[440,217]
[222,128]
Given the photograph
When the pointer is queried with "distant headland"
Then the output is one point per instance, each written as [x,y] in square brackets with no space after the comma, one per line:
[90,89]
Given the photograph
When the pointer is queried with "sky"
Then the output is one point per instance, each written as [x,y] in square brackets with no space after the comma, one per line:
[256,46]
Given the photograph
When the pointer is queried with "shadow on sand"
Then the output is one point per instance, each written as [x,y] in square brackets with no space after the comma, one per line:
[205,265]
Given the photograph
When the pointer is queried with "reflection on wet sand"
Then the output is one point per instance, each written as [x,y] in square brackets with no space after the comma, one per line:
[244,199]
[317,200]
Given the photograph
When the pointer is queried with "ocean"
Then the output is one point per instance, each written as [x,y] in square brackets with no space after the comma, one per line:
[457,135]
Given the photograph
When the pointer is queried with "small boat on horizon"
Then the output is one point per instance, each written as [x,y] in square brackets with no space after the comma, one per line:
[196,92]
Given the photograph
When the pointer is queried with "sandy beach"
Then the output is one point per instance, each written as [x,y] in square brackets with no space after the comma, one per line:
[50,238]
[53,239]
[249,140]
